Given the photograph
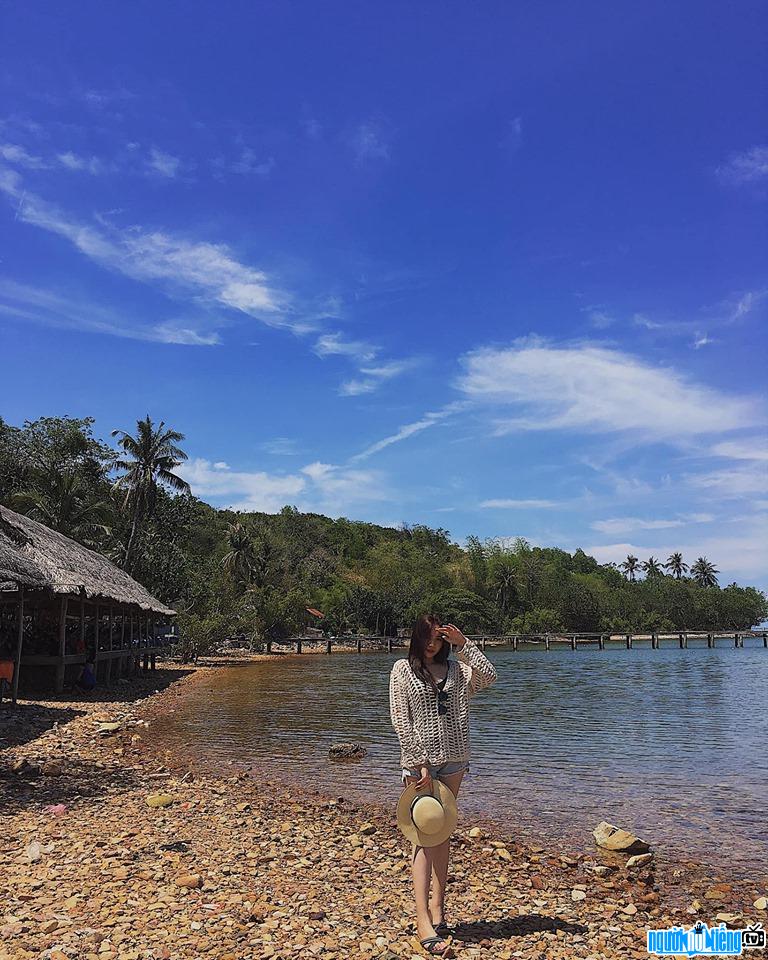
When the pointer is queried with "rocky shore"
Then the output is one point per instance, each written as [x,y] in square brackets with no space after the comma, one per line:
[109,851]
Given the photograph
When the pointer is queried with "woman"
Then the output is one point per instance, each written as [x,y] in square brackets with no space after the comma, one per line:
[429,705]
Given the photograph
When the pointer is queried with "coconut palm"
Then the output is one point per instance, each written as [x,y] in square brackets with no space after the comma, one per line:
[240,561]
[630,567]
[66,501]
[504,582]
[676,566]
[151,457]
[652,567]
[704,573]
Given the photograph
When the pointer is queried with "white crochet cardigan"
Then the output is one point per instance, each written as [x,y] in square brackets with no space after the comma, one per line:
[425,736]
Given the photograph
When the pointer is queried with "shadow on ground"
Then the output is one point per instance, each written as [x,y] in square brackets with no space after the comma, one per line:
[125,690]
[81,779]
[27,721]
[514,927]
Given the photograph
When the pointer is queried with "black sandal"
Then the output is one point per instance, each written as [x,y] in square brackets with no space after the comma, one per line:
[429,945]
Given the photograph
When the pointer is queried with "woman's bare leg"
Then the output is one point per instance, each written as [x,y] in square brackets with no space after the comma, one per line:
[440,858]
[421,867]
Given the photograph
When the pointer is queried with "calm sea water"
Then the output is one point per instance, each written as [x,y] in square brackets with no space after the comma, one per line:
[669,743]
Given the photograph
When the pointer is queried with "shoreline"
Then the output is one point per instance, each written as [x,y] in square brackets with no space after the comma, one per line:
[238,866]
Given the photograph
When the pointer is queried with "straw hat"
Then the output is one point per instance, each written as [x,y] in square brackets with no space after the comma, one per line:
[427,817]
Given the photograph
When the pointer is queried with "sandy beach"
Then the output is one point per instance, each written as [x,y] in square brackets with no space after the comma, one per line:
[236,867]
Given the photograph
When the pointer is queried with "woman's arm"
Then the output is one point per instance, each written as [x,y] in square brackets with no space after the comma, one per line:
[483,671]
[402,721]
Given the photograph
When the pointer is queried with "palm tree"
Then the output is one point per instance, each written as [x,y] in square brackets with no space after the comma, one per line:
[651,567]
[241,560]
[503,579]
[630,567]
[67,502]
[704,573]
[152,455]
[676,566]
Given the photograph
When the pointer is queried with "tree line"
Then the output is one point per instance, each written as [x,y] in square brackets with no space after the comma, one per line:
[259,574]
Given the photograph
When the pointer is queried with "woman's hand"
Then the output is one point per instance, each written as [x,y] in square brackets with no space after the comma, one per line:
[421,784]
[426,780]
[454,636]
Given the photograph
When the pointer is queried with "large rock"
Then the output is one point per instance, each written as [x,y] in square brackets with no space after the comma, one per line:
[639,860]
[346,751]
[610,837]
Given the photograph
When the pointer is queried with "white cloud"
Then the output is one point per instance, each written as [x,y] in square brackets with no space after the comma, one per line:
[339,486]
[594,389]
[749,166]
[747,480]
[320,487]
[280,447]
[163,164]
[519,504]
[702,340]
[330,344]
[514,135]
[36,305]
[13,153]
[250,164]
[209,270]
[172,332]
[744,554]
[600,319]
[74,162]
[742,449]
[374,377]
[428,420]
[619,525]
[250,491]
[369,142]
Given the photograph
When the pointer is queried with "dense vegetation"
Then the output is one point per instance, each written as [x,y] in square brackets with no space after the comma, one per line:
[257,573]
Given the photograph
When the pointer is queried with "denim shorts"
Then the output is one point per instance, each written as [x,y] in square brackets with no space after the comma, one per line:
[436,771]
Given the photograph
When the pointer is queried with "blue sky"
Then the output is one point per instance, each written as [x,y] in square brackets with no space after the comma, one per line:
[493,267]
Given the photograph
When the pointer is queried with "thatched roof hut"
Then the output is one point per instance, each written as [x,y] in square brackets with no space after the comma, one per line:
[35,556]
[63,606]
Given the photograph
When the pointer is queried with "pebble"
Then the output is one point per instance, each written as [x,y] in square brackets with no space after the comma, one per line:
[236,868]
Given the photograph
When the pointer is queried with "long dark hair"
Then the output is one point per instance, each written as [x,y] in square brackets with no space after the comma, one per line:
[422,631]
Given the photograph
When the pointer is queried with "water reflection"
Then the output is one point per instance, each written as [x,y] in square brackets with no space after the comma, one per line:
[668,742]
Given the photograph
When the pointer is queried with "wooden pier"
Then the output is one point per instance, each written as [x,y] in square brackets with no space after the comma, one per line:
[548,641]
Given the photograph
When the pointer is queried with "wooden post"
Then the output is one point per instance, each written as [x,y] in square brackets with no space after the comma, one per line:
[685,641]
[482,643]
[601,643]
[680,636]
[765,640]
[389,644]
[710,640]
[328,646]
[82,622]
[96,631]
[19,643]
[298,646]
[108,671]
[735,639]
[515,643]
[62,645]
[629,641]
[359,644]
[654,641]
[546,642]
[269,646]
[573,642]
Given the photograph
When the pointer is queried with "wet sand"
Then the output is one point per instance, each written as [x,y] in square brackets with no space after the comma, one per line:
[238,867]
